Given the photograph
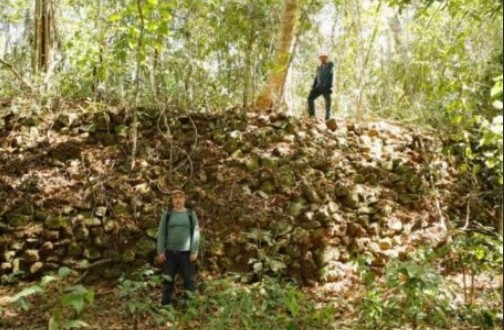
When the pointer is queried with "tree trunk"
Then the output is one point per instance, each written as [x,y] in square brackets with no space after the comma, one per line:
[42,36]
[272,92]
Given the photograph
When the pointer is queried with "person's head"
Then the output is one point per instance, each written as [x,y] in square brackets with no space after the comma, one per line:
[178,198]
[323,57]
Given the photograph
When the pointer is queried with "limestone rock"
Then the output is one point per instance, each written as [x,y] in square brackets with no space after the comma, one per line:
[57,222]
[92,253]
[31,256]
[82,233]
[332,124]
[18,220]
[395,225]
[50,235]
[144,246]
[101,211]
[36,267]
[385,244]
[128,256]
[92,222]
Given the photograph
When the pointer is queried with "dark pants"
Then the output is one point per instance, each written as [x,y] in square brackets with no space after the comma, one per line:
[314,94]
[177,261]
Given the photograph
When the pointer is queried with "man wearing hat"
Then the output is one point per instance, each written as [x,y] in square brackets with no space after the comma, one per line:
[322,86]
[177,244]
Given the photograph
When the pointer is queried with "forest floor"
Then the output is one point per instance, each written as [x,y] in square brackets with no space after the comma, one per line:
[220,306]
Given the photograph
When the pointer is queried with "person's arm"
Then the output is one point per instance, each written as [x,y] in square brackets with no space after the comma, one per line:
[315,80]
[196,237]
[331,69]
[161,239]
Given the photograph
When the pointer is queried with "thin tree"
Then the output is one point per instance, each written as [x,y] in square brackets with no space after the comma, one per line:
[42,36]
[272,91]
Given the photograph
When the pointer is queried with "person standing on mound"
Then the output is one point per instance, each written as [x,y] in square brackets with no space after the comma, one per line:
[322,86]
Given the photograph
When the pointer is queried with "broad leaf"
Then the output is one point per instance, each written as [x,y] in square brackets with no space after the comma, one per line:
[74,300]
[47,279]
[53,324]
[27,292]
[75,324]
[64,272]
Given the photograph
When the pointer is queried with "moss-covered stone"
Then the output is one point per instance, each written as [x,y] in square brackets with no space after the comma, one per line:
[112,272]
[297,208]
[18,220]
[74,250]
[218,248]
[92,222]
[121,209]
[359,178]
[92,253]
[82,264]
[252,162]
[81,233]
[270,163]
[268,187]
[152,232]
[112,254]
[128,256]
[145,246]
[57,222]
[31,256]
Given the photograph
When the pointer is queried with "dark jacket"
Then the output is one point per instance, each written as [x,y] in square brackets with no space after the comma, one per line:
[324,77]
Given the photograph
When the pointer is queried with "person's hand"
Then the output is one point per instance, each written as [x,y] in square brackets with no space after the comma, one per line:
[193,257]
[161,258]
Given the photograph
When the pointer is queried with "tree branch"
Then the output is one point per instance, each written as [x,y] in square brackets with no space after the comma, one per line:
[18,76]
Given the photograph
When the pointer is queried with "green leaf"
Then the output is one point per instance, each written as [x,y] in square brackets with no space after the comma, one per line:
[77,289]
[64,272]
[468,152]
[53,324]
[47,279]
[75,324]
[258,266]
[168,278]
[27,292]
[480,253]
[114,18]
[74,300]
[152,2]
[457,119]
[497,89]
[497,105]
[277,266]
[89,296]
[464,168]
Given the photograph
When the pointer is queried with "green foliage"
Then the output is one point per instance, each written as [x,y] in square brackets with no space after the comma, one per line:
[481,145]
[477,252]
[413,293]
[136,290]
[227,304]
[266,244]
[268,304]
[69,300]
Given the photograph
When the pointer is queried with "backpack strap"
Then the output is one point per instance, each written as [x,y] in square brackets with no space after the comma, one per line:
[167,220]
[191,226]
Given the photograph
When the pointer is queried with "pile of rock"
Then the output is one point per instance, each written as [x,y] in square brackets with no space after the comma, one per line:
[274,193]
